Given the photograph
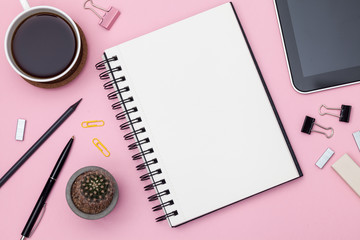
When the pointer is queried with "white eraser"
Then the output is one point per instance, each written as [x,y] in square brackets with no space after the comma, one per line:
[357,138]
[349,171]
[324,158]
[20,129]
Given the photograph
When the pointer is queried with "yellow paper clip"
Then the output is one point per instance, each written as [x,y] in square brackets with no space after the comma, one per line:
[101,147]
[95,123]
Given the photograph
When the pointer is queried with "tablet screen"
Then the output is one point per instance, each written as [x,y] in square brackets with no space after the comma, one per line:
[322,42]
[327,34]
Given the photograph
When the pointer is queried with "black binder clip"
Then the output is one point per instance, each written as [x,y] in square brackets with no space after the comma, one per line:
[344,112]
[309,123]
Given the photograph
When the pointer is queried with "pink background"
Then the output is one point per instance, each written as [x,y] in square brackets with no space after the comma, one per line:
[318,206]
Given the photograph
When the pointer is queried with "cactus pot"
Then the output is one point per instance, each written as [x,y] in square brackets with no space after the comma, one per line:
[92,192]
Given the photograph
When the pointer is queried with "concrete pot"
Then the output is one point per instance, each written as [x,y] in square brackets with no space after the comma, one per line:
[71,203]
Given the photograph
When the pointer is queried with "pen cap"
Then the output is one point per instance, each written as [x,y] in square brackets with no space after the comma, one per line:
[61,161]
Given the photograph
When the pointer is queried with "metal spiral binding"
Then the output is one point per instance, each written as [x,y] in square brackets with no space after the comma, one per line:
[146,164]
[148,175]
[102,65]
[106,75]
[135,134]
[113,95]
[122,102]
[165,204]
[156,196]
[110,84]
[141,154]
[122,115]
[164,217]
[136,144]
[131,122]
[131,135]
[153,185]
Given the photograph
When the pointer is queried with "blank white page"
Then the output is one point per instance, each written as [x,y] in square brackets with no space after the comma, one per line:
[206,112]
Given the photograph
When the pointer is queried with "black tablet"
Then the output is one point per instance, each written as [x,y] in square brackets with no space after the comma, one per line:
[322,42]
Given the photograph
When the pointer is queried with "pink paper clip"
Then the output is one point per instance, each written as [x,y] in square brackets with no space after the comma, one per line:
[108,19]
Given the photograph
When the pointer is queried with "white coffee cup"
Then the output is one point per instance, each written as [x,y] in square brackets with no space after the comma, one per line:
[29,11]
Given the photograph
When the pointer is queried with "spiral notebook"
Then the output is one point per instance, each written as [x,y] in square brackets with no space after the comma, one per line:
[200,120]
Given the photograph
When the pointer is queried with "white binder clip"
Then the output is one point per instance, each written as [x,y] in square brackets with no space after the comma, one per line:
[108,19]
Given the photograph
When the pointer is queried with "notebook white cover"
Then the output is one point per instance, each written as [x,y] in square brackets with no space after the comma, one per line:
[205,110]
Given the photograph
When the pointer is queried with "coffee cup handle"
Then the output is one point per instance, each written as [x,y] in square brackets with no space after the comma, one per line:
[25,4]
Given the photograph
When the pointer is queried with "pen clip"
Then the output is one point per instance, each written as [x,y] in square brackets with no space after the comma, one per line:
[38,220]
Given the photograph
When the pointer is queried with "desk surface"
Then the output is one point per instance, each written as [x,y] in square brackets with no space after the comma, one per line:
[317,206]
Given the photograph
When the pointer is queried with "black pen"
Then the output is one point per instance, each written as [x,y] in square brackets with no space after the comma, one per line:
[38,143]
[45,192]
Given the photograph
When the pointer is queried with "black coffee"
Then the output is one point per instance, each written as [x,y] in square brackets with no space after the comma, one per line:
[44,45]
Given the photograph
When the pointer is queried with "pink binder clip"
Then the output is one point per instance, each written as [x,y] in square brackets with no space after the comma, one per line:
[108,19]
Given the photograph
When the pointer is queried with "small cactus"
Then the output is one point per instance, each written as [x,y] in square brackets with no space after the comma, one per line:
[92,191]
[94,187]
